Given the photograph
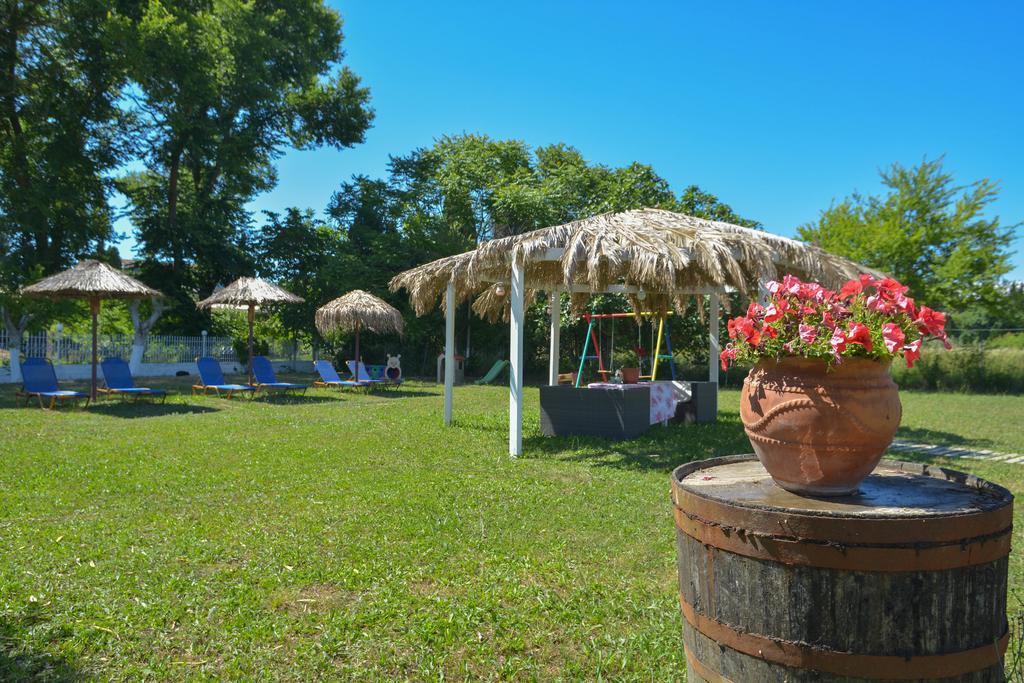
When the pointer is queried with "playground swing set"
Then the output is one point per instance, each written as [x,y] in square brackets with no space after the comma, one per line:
[596,332]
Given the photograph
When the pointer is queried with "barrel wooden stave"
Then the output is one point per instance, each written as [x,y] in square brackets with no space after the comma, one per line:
[868,619]
[731,588]
[708,662]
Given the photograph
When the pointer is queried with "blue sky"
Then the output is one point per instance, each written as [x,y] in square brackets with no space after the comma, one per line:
[777,108]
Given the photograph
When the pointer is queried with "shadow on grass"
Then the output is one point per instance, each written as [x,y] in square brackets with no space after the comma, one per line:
[293,398]
[136,409]
[659,449]
[402,393]
[481,422]
[21,663]
[938,438]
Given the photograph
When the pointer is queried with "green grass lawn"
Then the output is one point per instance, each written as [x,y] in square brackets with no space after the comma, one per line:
[353,536]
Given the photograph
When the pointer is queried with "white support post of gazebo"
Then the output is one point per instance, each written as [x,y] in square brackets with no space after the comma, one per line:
[713,345]
[515,373]
[556,329]
[449,351]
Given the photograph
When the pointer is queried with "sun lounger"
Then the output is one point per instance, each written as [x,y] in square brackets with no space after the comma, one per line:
[39,380]
[329,377]
[266,380]
[363,377]
[212,378]
[118,380]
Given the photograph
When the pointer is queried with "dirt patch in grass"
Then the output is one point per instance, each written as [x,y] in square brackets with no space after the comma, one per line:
[312,599]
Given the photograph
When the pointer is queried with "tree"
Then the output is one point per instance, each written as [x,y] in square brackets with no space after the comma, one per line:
[926,231]
[222,87]
[306,257]
[141,327]
[446,198]
[61,72]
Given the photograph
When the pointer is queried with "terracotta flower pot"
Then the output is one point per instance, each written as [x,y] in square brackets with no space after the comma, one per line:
[630,375]
[818,431]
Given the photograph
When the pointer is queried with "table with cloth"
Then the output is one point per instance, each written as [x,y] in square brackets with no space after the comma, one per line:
[663,398]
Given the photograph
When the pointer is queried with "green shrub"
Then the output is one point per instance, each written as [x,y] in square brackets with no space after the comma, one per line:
[260,347]
[999,371]
[1008,340]
[969,369]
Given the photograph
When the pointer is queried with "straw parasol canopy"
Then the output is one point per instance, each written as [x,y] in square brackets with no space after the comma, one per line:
[249,292]
[661,252]
[91,280]
[357,310]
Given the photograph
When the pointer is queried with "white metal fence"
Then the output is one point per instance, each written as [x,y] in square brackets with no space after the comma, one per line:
[73,349]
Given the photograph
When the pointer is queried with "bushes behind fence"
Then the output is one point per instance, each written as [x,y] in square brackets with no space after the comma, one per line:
[999,371]
[967,369]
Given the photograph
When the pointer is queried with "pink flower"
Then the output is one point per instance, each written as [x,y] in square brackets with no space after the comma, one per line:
[808,334]
[893,336]
[876,302]
[791,285]
[911,352]
[774,312]
[838,342]
[754,309]
[860,334]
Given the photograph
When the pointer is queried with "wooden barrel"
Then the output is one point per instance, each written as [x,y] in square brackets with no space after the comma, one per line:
[905,580]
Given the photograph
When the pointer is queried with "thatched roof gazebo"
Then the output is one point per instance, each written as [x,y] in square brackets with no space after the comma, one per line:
[91,280]
[359,310]
[651,255]
[249,292]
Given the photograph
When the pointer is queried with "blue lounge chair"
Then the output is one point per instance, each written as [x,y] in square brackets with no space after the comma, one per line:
[211,377]
[329,377]
[263,371]
[360,375]
[117,377]
[39,380]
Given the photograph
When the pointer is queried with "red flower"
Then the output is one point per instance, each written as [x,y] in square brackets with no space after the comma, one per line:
[860,334]
[728,354]
[911,352]
[753,336]
[932,322]
[890,288]
[851,289]
[808,334]
[754,309]
[733,326]
[745,327]
[770,332]
[893,336]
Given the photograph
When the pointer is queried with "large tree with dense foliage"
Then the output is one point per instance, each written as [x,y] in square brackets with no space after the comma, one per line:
[221,88]
[927,231]
[61,134]
[443,200]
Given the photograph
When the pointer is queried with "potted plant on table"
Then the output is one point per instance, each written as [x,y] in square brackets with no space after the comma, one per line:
[819,405]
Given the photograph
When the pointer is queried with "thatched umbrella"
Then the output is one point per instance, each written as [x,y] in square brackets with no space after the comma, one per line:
[655,250]
[93,281]
[250,292]
[357,310]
